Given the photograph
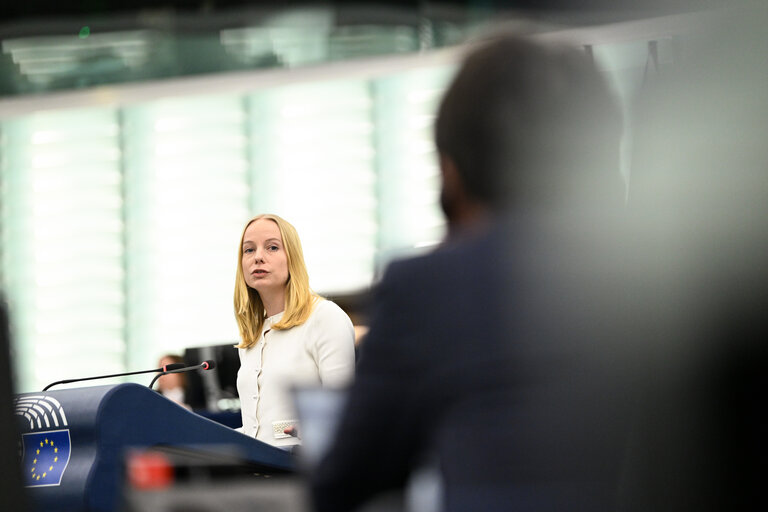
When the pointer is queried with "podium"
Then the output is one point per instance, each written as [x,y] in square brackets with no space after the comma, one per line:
[74,442]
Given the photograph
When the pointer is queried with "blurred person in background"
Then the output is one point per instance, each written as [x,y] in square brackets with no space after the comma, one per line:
[173,386]
[290,336]
[500,358]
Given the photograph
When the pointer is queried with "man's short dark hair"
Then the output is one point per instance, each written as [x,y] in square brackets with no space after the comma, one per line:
[525,122]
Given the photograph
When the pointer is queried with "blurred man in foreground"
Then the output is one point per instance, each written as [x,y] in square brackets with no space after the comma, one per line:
[497,356]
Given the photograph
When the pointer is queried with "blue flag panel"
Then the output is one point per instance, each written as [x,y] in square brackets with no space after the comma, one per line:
[46,455]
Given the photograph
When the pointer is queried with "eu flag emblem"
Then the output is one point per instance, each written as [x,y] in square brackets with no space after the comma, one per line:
[46,455]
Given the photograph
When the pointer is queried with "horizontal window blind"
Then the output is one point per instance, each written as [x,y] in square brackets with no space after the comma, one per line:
[314,164]
[405,109]
[187,193]
[63,250]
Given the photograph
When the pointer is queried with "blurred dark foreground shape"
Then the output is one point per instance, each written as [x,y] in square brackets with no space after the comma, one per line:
[12,496]
[699,204]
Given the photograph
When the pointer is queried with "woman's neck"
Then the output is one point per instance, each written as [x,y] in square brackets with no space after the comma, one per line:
[274,302]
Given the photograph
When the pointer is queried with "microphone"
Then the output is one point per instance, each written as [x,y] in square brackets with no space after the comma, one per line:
[166,368]
[205,365]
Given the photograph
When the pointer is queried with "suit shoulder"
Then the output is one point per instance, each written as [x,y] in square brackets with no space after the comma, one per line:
[443,259]
[417,265]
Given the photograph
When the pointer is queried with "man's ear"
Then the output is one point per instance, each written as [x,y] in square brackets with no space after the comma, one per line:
[450,175]
[453,187]
[450,188]
[460,208]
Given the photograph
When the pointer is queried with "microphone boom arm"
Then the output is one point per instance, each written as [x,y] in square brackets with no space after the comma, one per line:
[205,365]
[174,366]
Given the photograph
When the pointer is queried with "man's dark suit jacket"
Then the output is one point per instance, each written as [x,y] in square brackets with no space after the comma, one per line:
[496,355]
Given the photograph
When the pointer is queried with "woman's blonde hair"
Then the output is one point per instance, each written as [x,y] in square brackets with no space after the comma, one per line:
[299,298]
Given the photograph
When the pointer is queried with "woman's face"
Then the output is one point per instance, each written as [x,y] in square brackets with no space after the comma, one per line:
[265,263]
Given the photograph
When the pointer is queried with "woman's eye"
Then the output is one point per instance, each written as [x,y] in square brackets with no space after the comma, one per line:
[247,251]
[272,247]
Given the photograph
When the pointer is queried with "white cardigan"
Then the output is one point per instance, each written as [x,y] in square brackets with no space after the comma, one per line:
[321,351]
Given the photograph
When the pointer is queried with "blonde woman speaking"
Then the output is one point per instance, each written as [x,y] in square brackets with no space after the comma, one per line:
[290,336]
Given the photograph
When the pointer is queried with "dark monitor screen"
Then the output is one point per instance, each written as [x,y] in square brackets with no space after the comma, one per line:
[205,389]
